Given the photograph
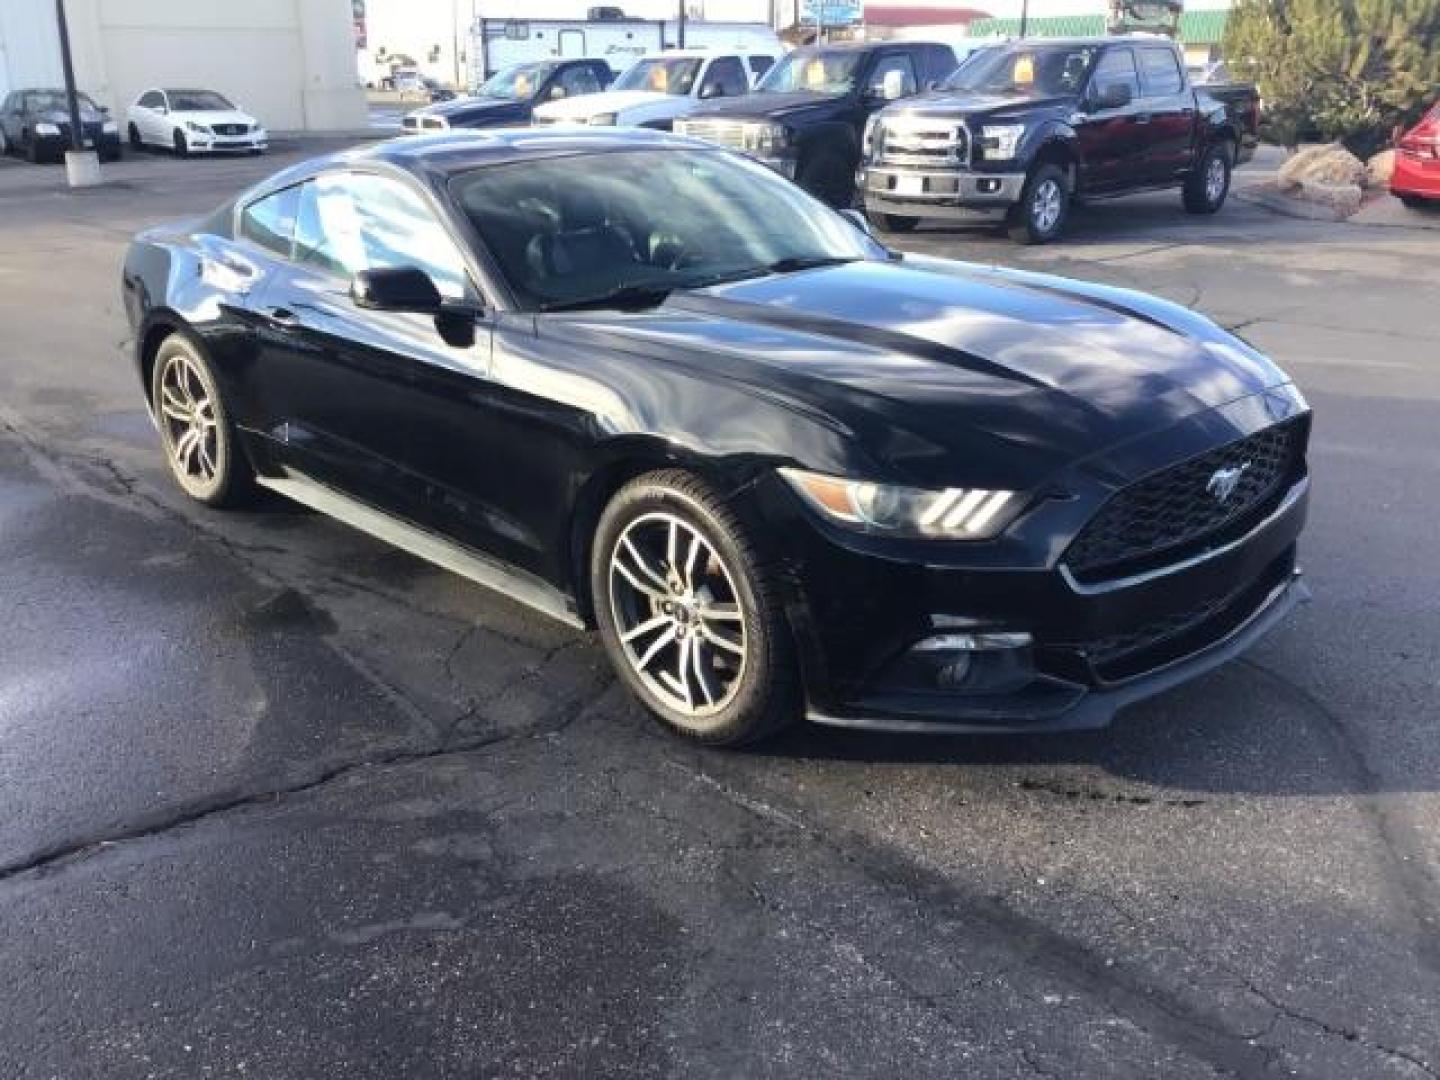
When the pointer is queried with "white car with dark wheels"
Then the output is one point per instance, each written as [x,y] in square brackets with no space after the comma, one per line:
[656,90]
[192,121]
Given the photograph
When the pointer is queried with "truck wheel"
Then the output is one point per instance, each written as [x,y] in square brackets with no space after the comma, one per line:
[894,223]
[829,178]
[1044,206]
[1205,188]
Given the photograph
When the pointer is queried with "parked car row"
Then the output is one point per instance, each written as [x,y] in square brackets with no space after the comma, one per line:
[1013,135]
[36,123]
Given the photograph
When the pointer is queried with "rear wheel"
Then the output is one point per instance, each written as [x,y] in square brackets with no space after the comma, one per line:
[893,223]
[1043,209]
[690,613]
[199,439]
[1206,187]
[829,178]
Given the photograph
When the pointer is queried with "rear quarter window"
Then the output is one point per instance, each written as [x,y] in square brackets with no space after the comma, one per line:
[270,222]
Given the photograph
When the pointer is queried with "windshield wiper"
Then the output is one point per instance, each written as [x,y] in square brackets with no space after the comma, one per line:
[808,262]
[626,297]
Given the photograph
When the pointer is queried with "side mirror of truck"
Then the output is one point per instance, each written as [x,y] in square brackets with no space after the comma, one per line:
[1114,95]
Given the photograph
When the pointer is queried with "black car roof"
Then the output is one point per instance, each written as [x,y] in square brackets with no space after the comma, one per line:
[444,154]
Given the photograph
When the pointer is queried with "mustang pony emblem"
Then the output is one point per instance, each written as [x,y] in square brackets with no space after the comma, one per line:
[1222,482]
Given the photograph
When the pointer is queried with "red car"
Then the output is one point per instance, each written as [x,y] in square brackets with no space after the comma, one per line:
[1416,180]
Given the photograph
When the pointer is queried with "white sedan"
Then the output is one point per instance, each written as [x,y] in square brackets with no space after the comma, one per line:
[191,122]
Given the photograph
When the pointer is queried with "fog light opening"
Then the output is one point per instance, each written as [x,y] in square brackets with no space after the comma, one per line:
[985,662]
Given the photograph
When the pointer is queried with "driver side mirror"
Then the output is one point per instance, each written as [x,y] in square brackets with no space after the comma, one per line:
[1114,95]
[712,90]
[892,87]
[396,288]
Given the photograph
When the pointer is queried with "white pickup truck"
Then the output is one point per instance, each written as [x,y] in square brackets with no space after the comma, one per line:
[657,89]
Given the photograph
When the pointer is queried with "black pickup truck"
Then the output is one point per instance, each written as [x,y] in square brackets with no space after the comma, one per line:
[805,117]
[1023,128]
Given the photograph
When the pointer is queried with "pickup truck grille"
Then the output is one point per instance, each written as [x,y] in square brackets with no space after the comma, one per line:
[903,140]
[1173,513]
[727,133]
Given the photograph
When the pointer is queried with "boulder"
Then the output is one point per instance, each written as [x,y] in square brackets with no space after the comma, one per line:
[1380,167]
[1344,199]
[1330,164]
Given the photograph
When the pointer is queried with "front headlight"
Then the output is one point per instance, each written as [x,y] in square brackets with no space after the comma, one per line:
[110,127]
[199,129]
[1001,141]
[604,119]
[954,513]
[43,128]
[765,140]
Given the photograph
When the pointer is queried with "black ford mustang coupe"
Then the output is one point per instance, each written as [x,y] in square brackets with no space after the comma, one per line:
[646,385]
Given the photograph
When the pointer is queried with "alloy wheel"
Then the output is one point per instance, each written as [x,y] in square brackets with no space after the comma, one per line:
[1045,205]
[1215,179]
[677,614]
[187,413]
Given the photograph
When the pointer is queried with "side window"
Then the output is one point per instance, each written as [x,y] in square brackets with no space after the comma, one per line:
[578,79]
[941,61]
[270,222]
[759,65]
[725,78]
[348,222]
[1161,72]
[893,62]
[1116,66]
[152,99]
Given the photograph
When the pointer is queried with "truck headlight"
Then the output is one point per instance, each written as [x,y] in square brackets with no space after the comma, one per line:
[43,128]
[953,513]
[765,140]
[1001,141]
[604,119]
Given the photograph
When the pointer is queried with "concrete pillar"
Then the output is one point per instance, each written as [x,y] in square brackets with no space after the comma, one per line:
[332,98]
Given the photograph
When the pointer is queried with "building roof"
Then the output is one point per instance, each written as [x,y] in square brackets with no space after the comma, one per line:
[920,15]
[1206,27]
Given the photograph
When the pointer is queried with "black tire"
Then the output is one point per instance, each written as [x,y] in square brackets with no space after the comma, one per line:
[1207,186]
[829,177]
[762,694]
[182,148]
[231,482]
[893,223]
[34,153]
[1418,202]
[135,143]
[1044,207]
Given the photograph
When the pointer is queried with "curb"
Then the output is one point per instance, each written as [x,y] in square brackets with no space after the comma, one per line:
[1283,204]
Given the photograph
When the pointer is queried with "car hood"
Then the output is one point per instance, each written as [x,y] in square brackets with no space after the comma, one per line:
[586,105]
[474,106]
[961,103]
[935,365]
[62,116]
[209,117]
[767,106]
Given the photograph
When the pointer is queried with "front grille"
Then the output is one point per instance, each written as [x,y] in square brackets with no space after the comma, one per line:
[231,129]
[1176,511]
[727,133]
[917,141]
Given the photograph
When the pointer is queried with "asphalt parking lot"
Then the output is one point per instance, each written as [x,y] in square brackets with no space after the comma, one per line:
[279,801]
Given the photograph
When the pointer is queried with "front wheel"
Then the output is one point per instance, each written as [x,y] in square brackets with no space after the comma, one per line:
[182,148]
[135,142]
[829,178]
[1417,202]
[893,223]
[1208,185]
[690,613]
[1043,209]
[199,439]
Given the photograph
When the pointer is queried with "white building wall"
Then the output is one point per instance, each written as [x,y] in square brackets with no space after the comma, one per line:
[290,62]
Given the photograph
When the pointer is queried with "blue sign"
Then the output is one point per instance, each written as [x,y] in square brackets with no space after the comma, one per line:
[832,12]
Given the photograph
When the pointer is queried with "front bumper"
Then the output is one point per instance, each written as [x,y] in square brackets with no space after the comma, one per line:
[1082,649]
[1416,177]
[215,143]
[952,195]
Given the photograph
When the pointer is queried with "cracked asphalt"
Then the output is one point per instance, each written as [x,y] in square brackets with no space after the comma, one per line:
[278,801]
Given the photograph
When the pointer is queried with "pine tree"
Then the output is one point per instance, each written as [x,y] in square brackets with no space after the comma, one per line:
[1351,70]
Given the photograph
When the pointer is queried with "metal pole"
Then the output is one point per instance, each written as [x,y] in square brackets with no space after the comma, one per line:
[679,27]
[1024,16]
[455,40]
[77,133]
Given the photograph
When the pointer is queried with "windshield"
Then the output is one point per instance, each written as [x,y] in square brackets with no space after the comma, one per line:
[817,72]
[46,100]
[574,232]
[197,101]
[1026,69]
[660,76]
[518,83]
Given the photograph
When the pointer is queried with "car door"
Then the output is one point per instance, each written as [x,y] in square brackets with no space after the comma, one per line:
[1167,115]
[1110,142]
[377,403]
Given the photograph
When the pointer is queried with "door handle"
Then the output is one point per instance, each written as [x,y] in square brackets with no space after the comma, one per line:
[282,316]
